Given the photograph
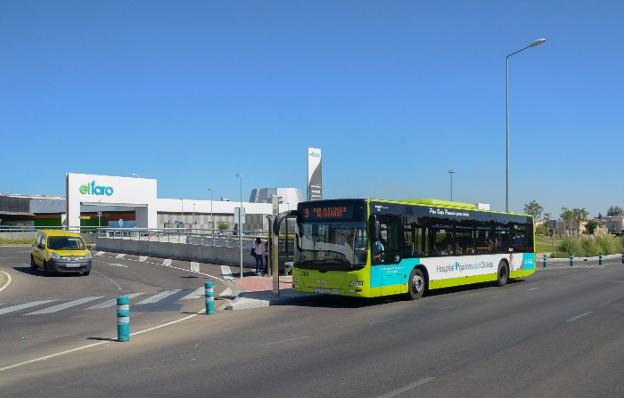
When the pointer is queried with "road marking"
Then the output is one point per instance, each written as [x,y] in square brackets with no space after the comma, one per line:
[226,293]
[166,262]
[100,253]
[194,266]
[110,303]
[533,288]
[23,306]
[8,282]
[64,306]
[226,272]
[24,251]
[109,279]
[185,270]
[287,340]
[197,293]
[160,296]
[84,347]
[142,259]
[117,265]
[120,255]
[574,318]
[406,388]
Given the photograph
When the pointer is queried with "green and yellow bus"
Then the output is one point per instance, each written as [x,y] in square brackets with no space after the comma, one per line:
[373,248]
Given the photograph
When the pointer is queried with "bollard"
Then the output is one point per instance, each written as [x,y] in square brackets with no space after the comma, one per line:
[123,319]
[545,260]
[209,297]
[571,261]
[622,258]
[600,259]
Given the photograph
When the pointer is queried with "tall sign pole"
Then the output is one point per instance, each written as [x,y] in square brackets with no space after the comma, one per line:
[315,174]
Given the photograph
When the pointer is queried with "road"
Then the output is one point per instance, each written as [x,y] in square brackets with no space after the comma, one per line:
[555,334]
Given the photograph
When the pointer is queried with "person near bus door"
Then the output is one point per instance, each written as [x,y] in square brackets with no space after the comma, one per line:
[259,250]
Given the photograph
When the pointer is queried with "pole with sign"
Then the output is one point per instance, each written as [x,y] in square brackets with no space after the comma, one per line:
[275,247]
[315,174]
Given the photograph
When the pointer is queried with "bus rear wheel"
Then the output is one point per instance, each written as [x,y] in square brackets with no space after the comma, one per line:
[417,283]
[503,273]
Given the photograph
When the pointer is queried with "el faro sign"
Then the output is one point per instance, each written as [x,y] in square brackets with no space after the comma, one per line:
[93,189]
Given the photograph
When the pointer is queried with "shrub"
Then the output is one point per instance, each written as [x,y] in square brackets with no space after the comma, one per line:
[588,246]
[571,247]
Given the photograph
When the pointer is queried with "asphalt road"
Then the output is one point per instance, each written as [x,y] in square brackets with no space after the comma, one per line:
[556,334]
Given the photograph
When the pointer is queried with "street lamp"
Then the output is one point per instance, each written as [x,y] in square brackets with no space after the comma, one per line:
[451,172]
[211,219]
[534,44]
[240,226]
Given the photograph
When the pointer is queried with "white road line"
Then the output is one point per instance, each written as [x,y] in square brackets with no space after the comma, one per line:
[226,272]
[24,251]
[23,306]
[287,340]
[109,279]
[84,347]
[574,318]
[142,259]
[194,266]
[8,282]
[226,293]
[166,262]
[110,303]
[201,273]
[100,253]
[64,306]
[160,296]
[120,255]
[406,388]
[117,265]
[533,288]
[197,293]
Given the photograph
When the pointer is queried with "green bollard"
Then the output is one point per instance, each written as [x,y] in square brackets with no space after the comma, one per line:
[123,319]
[545,260]
[571,261]
[622,258]
[600,259]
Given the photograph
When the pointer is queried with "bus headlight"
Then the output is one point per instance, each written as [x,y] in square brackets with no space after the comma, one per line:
[356,283]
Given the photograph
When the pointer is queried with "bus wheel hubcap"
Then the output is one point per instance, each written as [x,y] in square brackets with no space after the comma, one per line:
[417,283]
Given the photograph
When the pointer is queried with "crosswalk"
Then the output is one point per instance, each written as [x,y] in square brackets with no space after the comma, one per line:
[53,306]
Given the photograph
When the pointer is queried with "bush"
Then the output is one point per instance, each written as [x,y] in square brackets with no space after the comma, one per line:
[589,246]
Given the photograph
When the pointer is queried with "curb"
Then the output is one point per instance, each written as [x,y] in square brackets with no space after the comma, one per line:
[5,276]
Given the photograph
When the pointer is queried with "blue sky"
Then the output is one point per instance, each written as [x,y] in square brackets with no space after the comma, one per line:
[395,94]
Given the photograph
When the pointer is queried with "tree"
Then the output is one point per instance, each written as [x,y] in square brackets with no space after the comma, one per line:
[533,208]
[222,226]
[567,216]
[547,216]
[615,211]
[580,215]
[591,227]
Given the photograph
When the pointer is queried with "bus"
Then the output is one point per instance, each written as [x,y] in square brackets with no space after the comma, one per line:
[374,248]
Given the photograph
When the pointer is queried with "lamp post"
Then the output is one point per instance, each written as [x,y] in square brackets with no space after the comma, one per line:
[451,172]
[211,219]
[240,226]
[534,44]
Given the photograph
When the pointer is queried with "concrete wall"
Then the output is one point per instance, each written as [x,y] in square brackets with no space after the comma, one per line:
[177,251]
[18,236]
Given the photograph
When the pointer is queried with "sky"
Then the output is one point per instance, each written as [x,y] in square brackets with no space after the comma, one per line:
[394,93]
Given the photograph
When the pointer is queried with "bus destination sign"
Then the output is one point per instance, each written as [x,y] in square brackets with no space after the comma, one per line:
[328,213]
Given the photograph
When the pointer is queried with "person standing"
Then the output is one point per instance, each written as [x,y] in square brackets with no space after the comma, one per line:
[259,250]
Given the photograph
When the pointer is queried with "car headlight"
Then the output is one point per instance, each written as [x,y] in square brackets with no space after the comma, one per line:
[88,256]
[55,256]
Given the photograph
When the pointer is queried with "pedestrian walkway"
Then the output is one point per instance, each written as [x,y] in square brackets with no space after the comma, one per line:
[162,297]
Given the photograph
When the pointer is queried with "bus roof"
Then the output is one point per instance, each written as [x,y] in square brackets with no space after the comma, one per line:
[444,203]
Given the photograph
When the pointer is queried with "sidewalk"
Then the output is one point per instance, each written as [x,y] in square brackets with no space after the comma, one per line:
[257,292]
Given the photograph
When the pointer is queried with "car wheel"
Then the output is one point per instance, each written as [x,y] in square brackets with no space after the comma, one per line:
[85,273]
[417,284]
[33,265]
[503,273]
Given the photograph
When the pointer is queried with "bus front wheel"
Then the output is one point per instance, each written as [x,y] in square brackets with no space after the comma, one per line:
[503,273]
[417,284]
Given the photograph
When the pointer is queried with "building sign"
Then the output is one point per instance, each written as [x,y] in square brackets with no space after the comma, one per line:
[315,174]
[93,189]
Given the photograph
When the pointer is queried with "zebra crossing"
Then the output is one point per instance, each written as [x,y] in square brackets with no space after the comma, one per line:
[54,306]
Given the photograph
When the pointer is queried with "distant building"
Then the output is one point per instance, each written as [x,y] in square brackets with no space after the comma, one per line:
[615,224]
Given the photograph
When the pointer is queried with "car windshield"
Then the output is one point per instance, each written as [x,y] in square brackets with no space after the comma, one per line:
[331,245]
[65,243]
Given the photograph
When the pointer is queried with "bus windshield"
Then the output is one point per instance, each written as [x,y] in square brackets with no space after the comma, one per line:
[335,245]
[331,235]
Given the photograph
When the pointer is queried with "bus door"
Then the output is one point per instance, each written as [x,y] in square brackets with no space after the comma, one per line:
[390,270]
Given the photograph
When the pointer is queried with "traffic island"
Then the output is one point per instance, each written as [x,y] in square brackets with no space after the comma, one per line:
[257,292]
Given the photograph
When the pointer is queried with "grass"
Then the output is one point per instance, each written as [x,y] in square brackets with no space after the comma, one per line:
[543,244]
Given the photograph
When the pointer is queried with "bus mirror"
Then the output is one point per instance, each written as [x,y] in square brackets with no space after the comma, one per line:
[374,228]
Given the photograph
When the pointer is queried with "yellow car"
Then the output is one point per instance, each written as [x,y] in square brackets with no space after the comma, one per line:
[60,251]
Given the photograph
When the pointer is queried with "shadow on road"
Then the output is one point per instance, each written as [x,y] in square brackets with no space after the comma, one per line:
[26,270]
